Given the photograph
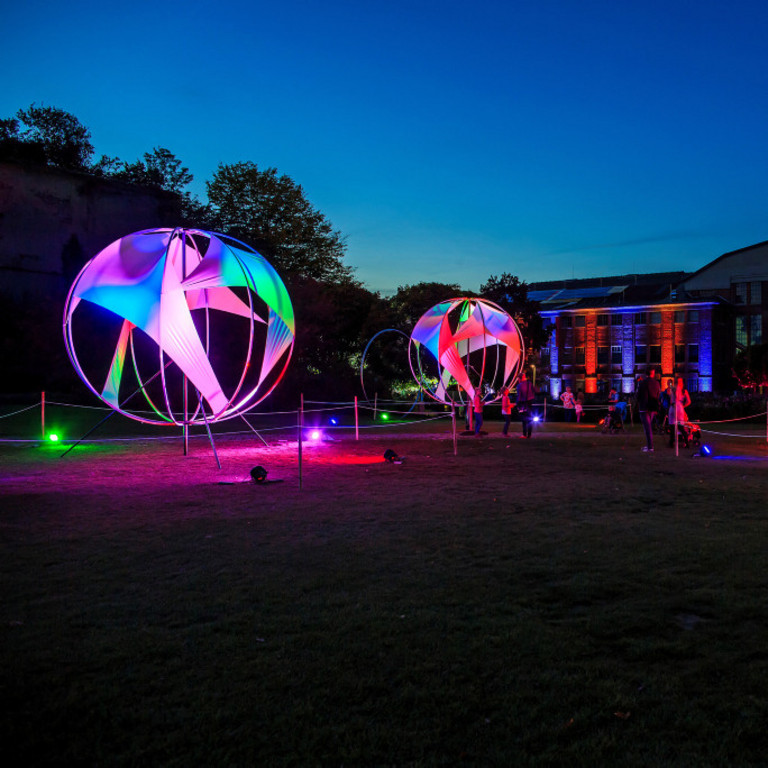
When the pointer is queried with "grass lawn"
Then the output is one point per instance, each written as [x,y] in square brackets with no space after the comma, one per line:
[562,601]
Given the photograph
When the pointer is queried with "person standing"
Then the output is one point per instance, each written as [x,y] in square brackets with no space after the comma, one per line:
[506,409]
[525,397]
[579,405]
[648,404]
[680,400]
[477,409]
[569,403]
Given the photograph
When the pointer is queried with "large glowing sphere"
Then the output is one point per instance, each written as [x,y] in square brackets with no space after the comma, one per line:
[472,344]
[179,326]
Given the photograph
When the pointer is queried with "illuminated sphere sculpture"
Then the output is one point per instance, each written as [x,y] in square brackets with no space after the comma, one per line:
[472,344]
[179,326]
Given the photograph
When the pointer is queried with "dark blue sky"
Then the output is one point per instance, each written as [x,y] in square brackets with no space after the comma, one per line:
[448,141]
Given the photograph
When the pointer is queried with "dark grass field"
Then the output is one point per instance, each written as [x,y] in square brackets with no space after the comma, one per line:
[566,600]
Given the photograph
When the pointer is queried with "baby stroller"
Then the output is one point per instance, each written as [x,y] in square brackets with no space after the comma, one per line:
[612,422]
[690,434]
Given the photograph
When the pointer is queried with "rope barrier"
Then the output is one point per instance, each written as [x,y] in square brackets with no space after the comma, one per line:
[740,418]
[414,418]
[730,434]
[15,413]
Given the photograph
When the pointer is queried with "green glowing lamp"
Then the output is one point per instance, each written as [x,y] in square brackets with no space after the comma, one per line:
[385,417]
[53,437]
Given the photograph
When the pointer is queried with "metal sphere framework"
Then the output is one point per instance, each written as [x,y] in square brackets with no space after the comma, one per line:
[473,344]
[198,326]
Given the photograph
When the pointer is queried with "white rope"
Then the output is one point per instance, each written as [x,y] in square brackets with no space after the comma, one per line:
[28,408]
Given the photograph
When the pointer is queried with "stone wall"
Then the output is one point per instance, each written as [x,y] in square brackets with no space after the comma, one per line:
[52,221]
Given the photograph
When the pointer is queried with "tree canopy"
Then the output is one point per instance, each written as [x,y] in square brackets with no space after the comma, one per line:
[48,135]
[511,295]
[271,213]
[159,168]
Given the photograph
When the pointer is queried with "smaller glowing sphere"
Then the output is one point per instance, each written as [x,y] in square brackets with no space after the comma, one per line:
[472,346]
[333,421]
[53,437]
[385,417]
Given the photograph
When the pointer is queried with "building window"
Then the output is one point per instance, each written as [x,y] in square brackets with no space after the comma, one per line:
[680,316]
[740,293]
[756,293]
[640,318]
[617,318]
[578,356]
[756,329]
[641,354]
[602,319]
[742,332]
[655,353]
[693,315]
[603,355]
[545,355]
[616,356]
[692,384]
[567,355]
[693,353]
[655,318]
[679,353]
[581,321]
[566,321]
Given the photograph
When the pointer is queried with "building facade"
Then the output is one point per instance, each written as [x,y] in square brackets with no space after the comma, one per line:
[739,278]
[605,332]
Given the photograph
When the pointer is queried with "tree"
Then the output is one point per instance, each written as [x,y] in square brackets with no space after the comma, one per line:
[412,301]
[750,366]
[271,213]
[512,295]
[159,168]
[61,139]
[330,317]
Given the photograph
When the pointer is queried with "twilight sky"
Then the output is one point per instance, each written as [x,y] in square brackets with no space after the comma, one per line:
[447,141]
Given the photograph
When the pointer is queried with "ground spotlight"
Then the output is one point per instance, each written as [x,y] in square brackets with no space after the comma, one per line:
[385,417]
[315,434]
[258,474]
[536,418]
[705,450]
[333,421]
[53,437]
[391,456]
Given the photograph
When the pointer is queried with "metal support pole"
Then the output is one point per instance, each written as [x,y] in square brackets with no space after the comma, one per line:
[453,424]
[42,415]
[208,429]
[185,426]
[357,422]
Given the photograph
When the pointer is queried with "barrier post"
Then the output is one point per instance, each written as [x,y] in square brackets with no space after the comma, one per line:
[42,414]
[357,423]
[300,429]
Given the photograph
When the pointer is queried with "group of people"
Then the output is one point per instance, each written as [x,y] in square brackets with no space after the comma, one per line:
[573,404]
[652,401]
[524,403]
